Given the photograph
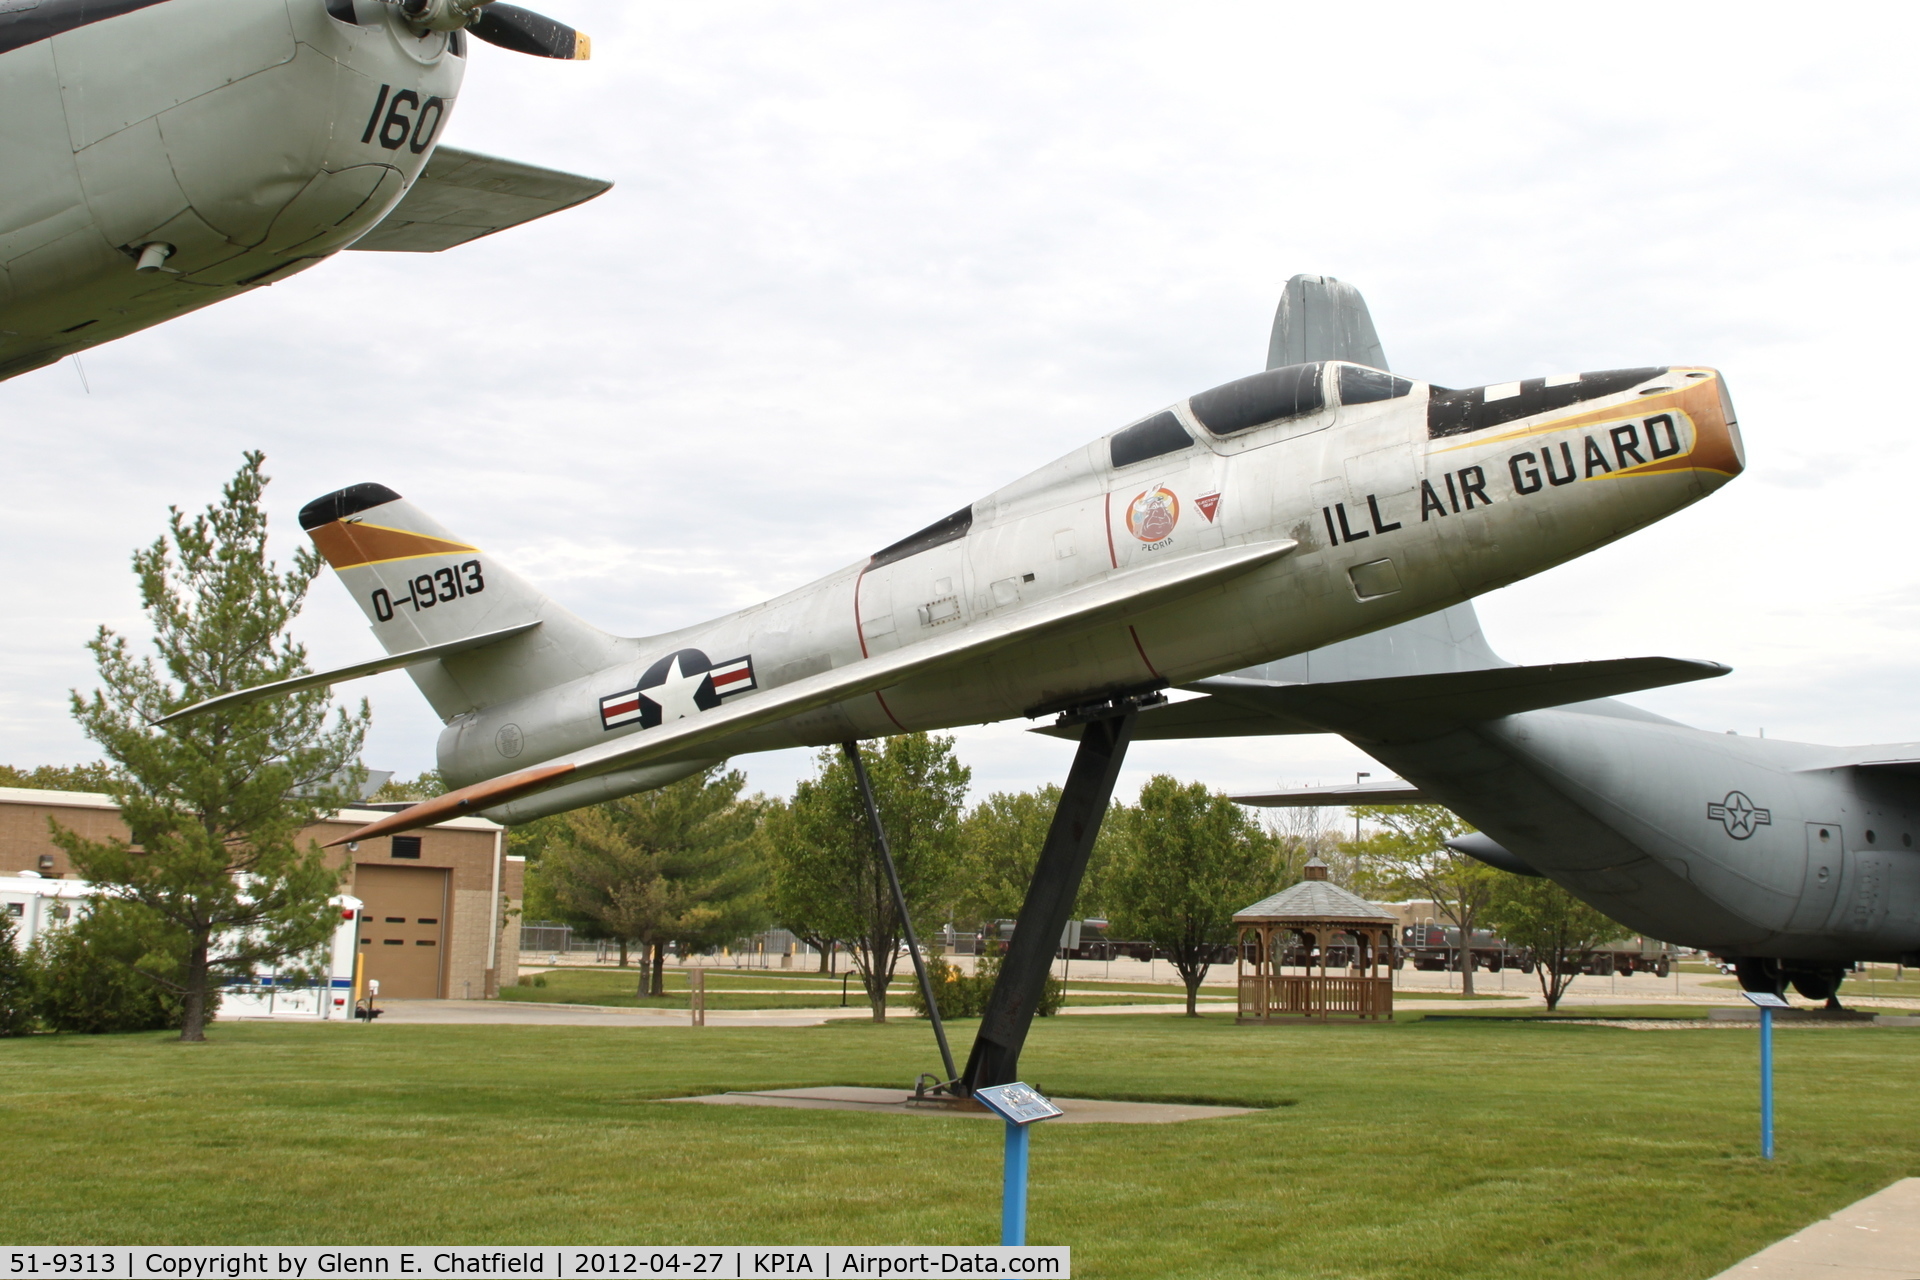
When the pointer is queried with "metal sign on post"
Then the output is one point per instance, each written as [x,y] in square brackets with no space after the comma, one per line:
[1767,1002]
[1019,1105]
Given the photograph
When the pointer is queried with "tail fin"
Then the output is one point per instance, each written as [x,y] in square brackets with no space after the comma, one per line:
[1321,318]
[421,585]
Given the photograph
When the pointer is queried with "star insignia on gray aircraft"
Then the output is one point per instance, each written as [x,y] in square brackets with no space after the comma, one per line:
[1739,815]
[682,684]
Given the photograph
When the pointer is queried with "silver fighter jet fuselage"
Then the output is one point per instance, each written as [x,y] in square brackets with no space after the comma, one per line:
[1268,516]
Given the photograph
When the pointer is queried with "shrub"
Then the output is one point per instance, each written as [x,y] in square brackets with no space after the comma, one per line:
[87,975]
[16,985]
[960,995]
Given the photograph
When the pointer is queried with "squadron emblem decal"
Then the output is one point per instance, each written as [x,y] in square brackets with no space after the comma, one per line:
[682,684]
[1739,815]
[1152,515]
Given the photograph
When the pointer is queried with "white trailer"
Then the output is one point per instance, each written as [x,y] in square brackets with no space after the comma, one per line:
[268,997]
[35,904]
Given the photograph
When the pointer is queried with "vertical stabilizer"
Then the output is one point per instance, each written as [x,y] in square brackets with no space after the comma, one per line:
[1321,318]
[420,585]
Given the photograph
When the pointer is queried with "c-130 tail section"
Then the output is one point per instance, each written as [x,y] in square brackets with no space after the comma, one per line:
[421,585]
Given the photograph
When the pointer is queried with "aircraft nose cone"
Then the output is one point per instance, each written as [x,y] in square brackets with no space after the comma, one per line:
[1719,453]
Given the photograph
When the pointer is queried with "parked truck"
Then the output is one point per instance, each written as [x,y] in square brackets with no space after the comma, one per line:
[1629,956]
[1434,948]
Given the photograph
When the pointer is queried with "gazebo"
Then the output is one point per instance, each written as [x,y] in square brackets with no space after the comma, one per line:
[1341,945]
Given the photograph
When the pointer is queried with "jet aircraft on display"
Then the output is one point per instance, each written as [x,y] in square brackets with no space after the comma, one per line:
[1793,860]
[1316,501]
[1262,518]
[161,155]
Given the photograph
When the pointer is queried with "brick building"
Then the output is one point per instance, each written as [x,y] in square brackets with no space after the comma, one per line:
[441,914]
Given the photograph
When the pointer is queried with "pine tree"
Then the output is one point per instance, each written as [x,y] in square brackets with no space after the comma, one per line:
[215,870]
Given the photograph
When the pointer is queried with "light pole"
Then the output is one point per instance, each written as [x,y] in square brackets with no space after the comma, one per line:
[1356,812]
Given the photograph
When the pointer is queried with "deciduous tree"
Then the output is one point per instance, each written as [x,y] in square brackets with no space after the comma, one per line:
[1408,857]
[1560,929]
[215,871]
[94,776]
[1187,860]
[827,872]
[679,864]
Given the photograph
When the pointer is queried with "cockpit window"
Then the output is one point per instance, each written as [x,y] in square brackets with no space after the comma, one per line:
[1452,413]
[1160,434]
[1361,385]
[1266,397]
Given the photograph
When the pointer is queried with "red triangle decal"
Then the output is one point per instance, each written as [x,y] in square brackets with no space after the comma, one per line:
[1208,504]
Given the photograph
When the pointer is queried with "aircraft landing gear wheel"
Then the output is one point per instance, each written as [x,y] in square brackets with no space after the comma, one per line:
[1821,984]
[1756,974]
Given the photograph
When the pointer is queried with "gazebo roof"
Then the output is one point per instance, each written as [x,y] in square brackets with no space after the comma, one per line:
[1314,898]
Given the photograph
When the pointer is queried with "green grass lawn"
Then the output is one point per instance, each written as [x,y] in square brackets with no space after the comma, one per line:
[1420,1148]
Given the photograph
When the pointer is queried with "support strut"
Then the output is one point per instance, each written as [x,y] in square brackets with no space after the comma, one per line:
[1049,903]
[900,903]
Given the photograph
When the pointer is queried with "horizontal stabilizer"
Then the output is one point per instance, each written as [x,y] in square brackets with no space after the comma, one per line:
[1116,599]
[1394,791]
[463,195]
[392,662]
[1398,708]
[1901,760]
[1481,847]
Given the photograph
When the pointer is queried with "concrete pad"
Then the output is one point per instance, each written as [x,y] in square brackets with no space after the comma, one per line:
[1781,1016]
[1877,1238]
[897,1102]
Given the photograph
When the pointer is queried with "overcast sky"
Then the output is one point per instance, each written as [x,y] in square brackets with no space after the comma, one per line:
[866,262]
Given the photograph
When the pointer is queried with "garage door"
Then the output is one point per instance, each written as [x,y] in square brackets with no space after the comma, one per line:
[403,928]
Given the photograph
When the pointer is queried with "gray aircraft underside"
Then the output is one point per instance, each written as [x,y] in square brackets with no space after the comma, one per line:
[1795,857]
[158,156]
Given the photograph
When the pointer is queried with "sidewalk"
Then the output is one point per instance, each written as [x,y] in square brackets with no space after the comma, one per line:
[1871,1239]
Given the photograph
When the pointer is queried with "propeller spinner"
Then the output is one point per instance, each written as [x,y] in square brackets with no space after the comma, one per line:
[506,25]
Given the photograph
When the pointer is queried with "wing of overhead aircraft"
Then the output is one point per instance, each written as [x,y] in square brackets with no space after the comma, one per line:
[1389,707]
[464,195]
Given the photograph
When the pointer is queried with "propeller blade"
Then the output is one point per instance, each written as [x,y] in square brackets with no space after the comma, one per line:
[525,31]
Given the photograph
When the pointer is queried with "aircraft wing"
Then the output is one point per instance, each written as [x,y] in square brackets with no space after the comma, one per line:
[1393,791]
[1900,760]
[1414,706]
[392,662]
[1121,596]
[463,195]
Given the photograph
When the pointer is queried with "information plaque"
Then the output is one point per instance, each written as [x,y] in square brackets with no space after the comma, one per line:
[1016,1103]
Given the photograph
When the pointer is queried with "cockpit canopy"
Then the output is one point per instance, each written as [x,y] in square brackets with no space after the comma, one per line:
[1262,399]
[1245,403]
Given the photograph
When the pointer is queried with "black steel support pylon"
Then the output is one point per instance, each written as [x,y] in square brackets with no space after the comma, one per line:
[1049,904]
[899,903]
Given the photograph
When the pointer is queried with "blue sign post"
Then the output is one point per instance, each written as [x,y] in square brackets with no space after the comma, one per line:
[1020,1105]
[1767,1002]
